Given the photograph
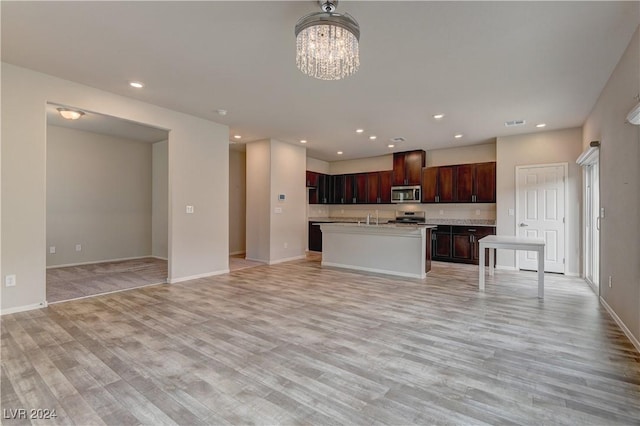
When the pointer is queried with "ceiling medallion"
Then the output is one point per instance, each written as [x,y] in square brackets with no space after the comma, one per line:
[327,43]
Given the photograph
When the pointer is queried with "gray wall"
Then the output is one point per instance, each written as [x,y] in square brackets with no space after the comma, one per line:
[98,196]
[160,200]
[198,176]
[619,188]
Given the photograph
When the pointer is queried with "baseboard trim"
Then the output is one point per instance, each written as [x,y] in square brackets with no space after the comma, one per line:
[102,261]
[234,253]
[23,308]
[160,258]
[288,259]
[373,270]
[621,324]
[572,274]
[195,277]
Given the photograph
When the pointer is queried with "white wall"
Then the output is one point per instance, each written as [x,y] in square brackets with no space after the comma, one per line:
[198,175]
[483,153]
[362,165]
[98,196]
[275,168]
[318,166]
[556,146]
[160,200]
[619,187]
[237,201]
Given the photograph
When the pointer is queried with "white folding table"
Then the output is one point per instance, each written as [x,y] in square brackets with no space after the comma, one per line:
[493,242]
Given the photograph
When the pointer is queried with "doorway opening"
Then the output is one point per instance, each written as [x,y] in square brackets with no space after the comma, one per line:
[107,205]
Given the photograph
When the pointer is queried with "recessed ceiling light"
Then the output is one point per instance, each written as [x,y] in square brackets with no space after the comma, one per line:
[438,116]
[541,125]
[339,152]
[237,137]
[373,137]
[458,136]
[136,84]
[303,141]
[359,130]
[390,145]
[222,112]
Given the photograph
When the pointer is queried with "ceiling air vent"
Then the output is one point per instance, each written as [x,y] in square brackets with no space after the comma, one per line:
[514,123]
[397,140]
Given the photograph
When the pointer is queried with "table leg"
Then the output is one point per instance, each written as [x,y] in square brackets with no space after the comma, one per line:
[481,268]
[492,256]
[541,272]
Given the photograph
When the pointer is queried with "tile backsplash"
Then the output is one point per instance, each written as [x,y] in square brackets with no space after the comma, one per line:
[388,211]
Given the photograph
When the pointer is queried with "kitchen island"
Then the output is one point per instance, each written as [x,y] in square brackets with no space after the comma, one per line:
[394,249]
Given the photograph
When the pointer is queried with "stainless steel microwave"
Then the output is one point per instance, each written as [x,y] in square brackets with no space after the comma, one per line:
[405,194]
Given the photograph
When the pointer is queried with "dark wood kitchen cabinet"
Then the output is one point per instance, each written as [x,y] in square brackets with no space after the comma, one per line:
[349,189]
[361,183]
[462,183]
[461,242]
[318,184]
[441,239]
[407,167]
[315,237]
[379,187]
[438,184]
[476,183]
[337,189]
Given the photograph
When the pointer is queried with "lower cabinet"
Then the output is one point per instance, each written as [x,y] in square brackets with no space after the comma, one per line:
[315,237]
[459,243]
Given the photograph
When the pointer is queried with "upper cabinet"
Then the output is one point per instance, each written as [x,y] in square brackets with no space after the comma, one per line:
[378,187]
[464,183]
[476,183]
[407,167]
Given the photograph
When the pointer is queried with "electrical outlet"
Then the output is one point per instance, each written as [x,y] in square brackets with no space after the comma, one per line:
[9,280]
[609,281]
[477,212]
[511,212]
[190,209]
[441,211]
[52,250]
[78,247]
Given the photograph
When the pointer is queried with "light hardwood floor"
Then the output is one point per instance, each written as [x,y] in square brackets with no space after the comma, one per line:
[73,282]
[295,343]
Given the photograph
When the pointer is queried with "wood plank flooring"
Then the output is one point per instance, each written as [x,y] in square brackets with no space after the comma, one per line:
[295,343]
[72,282]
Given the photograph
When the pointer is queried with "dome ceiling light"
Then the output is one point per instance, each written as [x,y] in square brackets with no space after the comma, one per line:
[70,114]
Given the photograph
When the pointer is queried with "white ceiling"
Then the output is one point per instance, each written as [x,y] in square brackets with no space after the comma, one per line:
[106,125]
[480,63]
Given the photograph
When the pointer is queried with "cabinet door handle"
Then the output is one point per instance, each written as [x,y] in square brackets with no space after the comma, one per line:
[473,198]
[470,238]
[471,230]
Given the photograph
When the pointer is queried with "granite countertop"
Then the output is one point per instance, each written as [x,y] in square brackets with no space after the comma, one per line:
[461,222]
[428,221]
[383,225]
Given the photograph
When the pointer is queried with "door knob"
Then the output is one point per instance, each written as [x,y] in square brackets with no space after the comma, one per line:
[522,225]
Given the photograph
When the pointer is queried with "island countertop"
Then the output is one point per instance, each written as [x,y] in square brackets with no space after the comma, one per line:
[388,248]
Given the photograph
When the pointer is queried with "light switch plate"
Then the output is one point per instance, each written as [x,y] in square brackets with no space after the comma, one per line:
[278,210]
[78,247]
[190,209]
[52,249]
[10,280]
[511,212]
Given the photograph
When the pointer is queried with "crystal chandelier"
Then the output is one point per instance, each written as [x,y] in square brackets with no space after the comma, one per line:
[327,43]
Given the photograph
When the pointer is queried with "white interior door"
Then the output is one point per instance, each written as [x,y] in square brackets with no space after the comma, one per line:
[541,213]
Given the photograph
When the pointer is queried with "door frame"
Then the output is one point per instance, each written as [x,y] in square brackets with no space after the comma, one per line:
[565,182]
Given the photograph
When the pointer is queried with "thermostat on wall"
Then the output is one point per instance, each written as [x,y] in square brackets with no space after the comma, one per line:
[280,197]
